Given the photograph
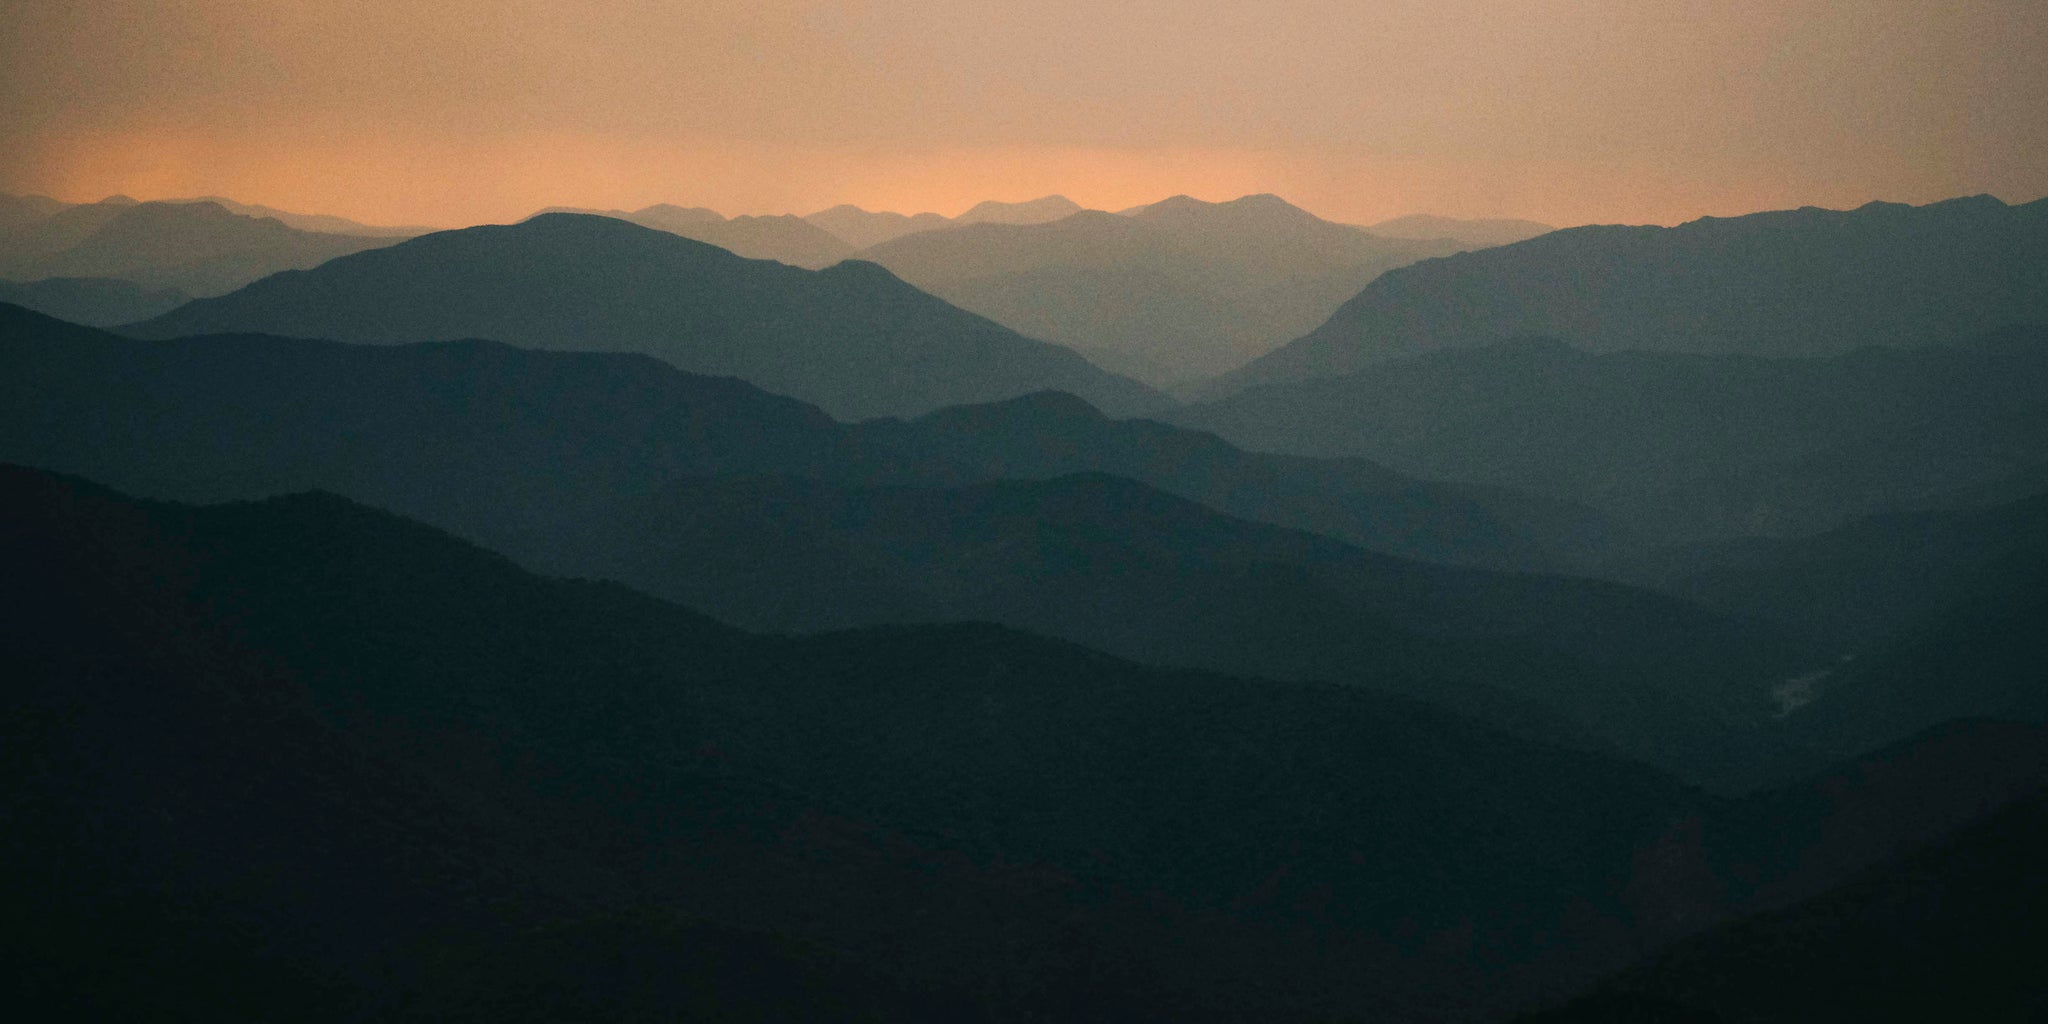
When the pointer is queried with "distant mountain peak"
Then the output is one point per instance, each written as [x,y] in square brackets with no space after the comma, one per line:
[120,200]
[671,210]
[1034,211]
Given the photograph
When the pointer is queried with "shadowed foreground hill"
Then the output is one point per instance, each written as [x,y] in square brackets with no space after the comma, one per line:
[1679,446]
[1954,932]
[852,338]
[489,754]
[1120,567]
[1806,282]
[482,438]
[300,754]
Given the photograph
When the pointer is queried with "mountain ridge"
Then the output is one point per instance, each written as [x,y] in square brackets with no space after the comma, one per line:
[1805,282]
[857,341]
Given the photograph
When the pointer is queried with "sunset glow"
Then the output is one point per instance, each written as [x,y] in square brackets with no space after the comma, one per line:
[1566,113]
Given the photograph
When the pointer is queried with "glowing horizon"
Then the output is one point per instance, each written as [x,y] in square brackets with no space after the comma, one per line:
[1562,113]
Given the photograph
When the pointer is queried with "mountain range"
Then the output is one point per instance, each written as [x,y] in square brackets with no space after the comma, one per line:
[300,749]
[199,248]
[852,339]
[547,436]
[1177,290]
[784,239]
[862,228]
[1679,446]
[1805,282]
[767,512]
[575,619]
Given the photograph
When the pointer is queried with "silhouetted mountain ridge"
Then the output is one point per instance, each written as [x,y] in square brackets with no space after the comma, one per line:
[1805,282]
[480,437]
[855,340]
[199,248]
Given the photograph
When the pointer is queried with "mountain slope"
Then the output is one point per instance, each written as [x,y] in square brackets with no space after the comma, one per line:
[19,213]
[36,231]
[1049,435]
[197,248]
[1978,655]
[432,769]
[1122,568]
[1854,585]
[951,803]
[1805,282]
[1951,932]
[299,749]
[480,437]
[784,239]
[320,222]
[95,301]
[1678,446]
[1180,290]
[852,338]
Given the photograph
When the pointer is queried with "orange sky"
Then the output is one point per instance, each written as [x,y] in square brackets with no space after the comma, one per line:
[461,112]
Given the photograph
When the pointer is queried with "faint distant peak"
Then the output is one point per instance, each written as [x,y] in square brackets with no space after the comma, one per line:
[1262,205]
[681,214]
[1035,211]
[1047,406]
[120,200]
[1481,231]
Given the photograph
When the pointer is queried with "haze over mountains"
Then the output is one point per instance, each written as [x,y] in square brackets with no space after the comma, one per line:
[1608,614]
[1176,290]
[396,422]
[198,248]
[851,338]
[1679,446]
